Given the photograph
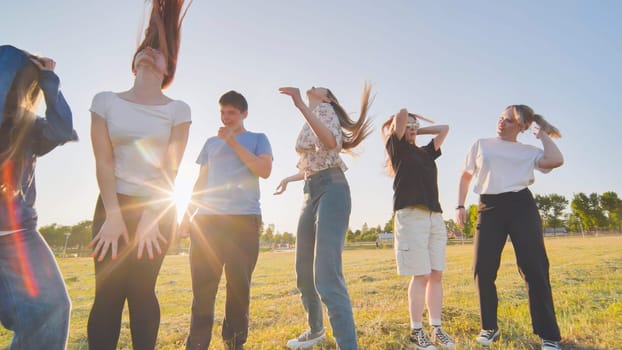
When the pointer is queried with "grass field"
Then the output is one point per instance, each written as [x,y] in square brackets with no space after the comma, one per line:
[586,275]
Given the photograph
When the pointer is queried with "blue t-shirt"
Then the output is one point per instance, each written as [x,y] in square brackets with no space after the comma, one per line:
[232,188]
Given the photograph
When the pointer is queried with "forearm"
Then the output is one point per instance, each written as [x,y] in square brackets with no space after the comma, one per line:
[322,132]
[58,116]
[552,157]
[260,166]
[433,130]
[296,177]
[463,187]
[107,188]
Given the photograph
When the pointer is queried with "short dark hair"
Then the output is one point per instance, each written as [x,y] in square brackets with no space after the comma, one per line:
[235,99]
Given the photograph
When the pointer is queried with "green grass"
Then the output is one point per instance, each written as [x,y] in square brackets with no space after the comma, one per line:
[586,275]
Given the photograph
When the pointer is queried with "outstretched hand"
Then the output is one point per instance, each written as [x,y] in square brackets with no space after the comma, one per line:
[281,187]
[294,93]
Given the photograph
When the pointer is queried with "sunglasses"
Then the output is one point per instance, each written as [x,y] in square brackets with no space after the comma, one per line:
[412,125]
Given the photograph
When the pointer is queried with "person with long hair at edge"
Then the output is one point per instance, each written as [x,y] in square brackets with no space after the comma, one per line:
[503,169]
[323,222]
[420,234]
[139,137]
[34,303]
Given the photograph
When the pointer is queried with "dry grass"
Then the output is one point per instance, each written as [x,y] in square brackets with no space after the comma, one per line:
[586,274]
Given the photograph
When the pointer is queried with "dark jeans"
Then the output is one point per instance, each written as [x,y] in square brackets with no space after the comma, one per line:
[127,278]
[319,243]
[33,299]
[516,214]
[217,241]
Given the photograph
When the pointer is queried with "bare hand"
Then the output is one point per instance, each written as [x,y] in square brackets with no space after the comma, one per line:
[148,234]
[294,93]
[537,132]
[44,63]
[460,217]
[227,134]
[281,187]
[108,237]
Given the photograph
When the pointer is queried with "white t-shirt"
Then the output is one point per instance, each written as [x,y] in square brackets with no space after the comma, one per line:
[502,166]
[140,136]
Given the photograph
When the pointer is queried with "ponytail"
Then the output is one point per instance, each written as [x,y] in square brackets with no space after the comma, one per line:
[546,126]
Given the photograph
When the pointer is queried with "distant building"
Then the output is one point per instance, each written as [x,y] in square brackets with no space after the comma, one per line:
[384,238]
[455,235]
[555,231]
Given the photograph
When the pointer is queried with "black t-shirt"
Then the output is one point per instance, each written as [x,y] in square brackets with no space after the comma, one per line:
[415,180]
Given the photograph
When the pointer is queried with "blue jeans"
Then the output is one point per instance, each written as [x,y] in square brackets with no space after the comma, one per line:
[319,243]
[34,303]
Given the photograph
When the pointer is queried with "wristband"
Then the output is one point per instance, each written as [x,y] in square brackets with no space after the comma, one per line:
[460,207]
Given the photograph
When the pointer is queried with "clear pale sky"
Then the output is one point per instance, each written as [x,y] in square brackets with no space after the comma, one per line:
[458,63]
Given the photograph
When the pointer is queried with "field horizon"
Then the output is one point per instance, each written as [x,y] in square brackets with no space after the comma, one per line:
[585,276]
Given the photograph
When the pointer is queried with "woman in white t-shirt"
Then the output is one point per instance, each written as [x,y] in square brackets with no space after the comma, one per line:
[503,168]
[138,137]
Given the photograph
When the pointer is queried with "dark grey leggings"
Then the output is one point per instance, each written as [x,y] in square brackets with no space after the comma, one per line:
[516,214]
[127,278]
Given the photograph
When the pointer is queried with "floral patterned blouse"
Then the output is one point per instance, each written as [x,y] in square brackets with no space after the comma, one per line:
[314,156]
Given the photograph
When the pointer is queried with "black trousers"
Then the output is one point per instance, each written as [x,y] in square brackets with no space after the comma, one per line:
[516,214]
[127,278]
[217,241]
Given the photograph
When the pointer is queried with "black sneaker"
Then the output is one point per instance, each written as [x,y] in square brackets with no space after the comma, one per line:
[439,336]
[419,339]
[550,345]
[487,336]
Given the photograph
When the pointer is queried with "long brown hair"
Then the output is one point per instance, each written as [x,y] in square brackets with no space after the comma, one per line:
[354,132]
[20,110]
[164,33]
[525,115]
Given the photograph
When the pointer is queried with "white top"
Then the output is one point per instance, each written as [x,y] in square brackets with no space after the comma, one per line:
[140,136]
[502,166]
[314,156]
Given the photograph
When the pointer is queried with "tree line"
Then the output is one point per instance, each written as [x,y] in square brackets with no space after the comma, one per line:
[584,213]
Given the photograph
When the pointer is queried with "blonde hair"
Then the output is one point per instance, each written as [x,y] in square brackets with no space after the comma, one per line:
[20,110]
[354,132]
[164,33]
[525,115]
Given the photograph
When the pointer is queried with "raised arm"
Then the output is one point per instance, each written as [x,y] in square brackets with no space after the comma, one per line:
[552,157]
[322,132]
[440,131]
[400,120]
[57,127]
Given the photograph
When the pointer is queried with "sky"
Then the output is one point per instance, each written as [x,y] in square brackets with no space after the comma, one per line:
[459,63]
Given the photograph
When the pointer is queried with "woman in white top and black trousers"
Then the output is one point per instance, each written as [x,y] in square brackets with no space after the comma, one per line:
[139,137]
[503,168]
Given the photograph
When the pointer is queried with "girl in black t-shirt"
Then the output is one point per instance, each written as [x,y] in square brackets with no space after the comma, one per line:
[420,234]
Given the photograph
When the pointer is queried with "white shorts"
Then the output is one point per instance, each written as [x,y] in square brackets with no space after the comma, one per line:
[420,241]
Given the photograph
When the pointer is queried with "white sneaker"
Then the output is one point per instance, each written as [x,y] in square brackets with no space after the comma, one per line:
[306,339]
[550,345]
[487,336]
[438,335]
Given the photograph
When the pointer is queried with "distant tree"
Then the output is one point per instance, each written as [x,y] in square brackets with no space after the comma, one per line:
[278,238]
[551,208]
[268,234]
[589,210]
[365,228]
[54,234]
[81,234]
[451,226]
[388,227]
[349,235]
[612,206]
[471,221]
[289,238]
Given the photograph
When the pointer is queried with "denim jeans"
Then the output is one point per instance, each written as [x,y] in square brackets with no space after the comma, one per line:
[34,303]
[319,243]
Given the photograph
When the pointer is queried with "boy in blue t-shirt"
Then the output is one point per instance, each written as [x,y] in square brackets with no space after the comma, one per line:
[226,219]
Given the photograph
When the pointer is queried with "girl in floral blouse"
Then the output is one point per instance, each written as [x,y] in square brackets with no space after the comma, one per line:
[326,211]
